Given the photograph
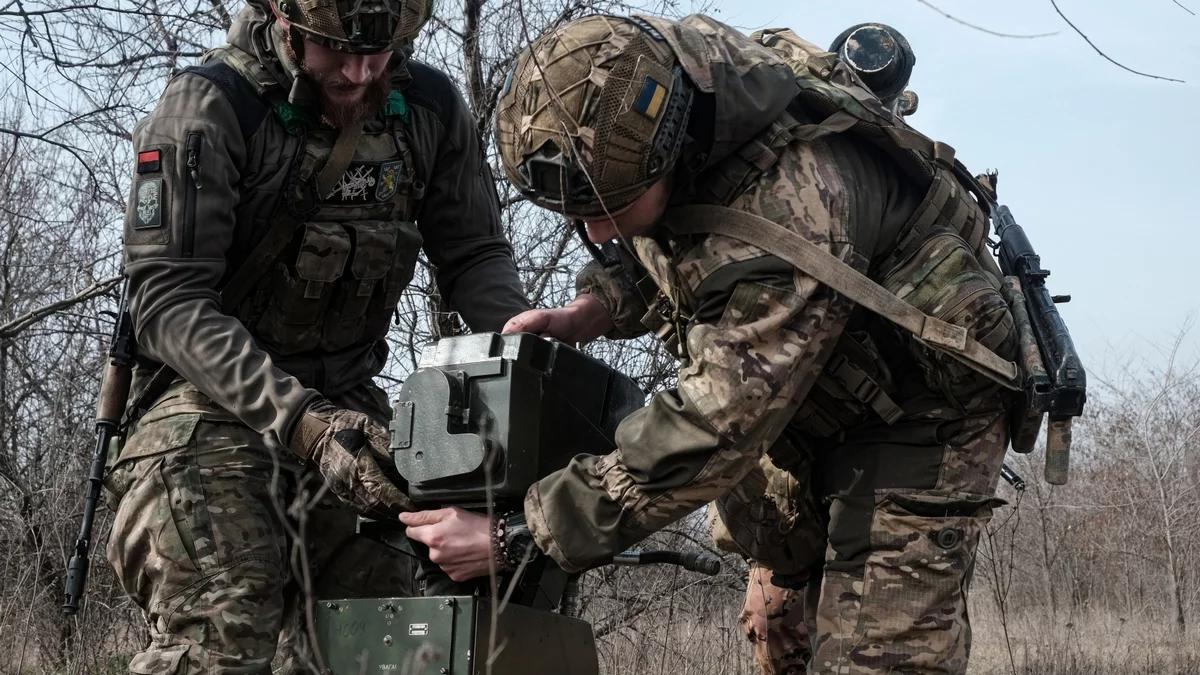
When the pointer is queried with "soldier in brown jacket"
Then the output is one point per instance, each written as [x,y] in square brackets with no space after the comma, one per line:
[283,190]
[845,349]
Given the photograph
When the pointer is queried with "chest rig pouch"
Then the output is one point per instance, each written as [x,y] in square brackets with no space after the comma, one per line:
[351,252]
[328,270]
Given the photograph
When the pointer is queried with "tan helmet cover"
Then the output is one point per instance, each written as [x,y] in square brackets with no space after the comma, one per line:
[592,114]
[360,26]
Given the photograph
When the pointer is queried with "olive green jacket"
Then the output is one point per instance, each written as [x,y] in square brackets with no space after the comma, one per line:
[221,160]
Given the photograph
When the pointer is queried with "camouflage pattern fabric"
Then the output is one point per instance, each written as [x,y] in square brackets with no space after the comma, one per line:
[626,298]
[777,416]
[217,533]
[221,540]
[358,25]
[894,598]
[563,159]
[895,547]
[772,517]
[350,450]
[751,361]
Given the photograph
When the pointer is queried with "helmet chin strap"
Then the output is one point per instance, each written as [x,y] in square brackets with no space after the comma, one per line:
[289,50]
[592,248]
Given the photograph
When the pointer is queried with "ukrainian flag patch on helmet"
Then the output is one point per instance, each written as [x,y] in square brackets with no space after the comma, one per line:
[650,101]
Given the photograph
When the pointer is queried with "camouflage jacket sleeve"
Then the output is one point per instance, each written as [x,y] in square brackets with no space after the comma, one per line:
[178,228]
[761,332]
[460,215]
[622,287]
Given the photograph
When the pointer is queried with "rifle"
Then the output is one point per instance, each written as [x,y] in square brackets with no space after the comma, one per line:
[109,409]
[1054,381]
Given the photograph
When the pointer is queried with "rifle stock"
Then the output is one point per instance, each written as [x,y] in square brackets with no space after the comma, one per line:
[1056,383]
[114,391]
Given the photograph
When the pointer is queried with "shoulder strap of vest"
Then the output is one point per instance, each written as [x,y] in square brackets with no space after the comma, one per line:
[250,68]
[830,92]
[257,89]
[247,85]
[841,277]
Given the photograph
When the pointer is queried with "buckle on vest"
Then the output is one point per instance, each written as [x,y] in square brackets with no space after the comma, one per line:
[863,388]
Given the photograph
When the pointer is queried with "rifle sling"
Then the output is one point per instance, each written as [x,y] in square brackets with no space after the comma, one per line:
[841,277]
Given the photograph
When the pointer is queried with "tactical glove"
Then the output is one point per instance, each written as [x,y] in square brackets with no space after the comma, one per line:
[348,447]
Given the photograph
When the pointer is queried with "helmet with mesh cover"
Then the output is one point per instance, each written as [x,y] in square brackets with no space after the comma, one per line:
[593,113]
[357,26]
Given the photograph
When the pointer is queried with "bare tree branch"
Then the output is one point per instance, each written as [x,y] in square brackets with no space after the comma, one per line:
[42,137]
[11,329]
[1101,53]
[981,29]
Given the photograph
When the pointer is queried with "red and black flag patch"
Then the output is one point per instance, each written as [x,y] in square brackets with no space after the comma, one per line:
[149,161]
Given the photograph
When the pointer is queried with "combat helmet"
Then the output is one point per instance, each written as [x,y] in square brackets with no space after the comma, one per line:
[356,26]
[592,114]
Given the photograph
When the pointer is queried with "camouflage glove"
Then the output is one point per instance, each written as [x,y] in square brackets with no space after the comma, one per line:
[348,447]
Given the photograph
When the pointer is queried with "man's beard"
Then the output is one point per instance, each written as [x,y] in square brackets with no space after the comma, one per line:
[336,114]
[340,115]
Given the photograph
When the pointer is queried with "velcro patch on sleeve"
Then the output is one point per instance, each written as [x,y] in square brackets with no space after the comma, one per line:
[149,161]
[148,209]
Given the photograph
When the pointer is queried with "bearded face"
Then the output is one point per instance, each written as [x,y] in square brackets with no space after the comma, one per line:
[351,87]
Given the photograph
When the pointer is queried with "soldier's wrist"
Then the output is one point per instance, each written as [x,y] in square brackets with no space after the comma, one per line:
[590,316]
[309,429]
[512,542]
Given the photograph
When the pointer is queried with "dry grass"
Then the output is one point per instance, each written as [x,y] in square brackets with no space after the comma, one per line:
[1090,643]
[693,631]
[678,641]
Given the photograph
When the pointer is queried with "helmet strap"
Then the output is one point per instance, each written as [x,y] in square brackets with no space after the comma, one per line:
[592,248]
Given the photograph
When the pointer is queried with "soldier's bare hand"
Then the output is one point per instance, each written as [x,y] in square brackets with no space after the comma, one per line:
[459,541]
[584,320]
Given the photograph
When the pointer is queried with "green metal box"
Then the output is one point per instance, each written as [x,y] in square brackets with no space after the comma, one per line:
[450,635]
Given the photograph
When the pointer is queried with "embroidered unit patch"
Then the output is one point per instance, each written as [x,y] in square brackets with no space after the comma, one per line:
[149,204]
[367,183]
[389,180]
[354,184]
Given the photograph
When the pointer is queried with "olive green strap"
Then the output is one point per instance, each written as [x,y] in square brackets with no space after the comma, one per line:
[836,123]
[259,261]
[248,66]
[841,277]
[339,159]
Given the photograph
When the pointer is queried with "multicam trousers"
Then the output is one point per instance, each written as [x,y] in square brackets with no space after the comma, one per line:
[876,581]
[222,541]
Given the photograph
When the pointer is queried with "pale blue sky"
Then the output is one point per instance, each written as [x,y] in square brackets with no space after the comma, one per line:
[1097,164]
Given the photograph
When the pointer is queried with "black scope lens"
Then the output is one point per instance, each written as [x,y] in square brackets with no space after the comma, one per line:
[879,55]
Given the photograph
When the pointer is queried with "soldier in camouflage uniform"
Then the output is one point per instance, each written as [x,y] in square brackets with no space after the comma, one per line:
[853,461]
[283,191]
